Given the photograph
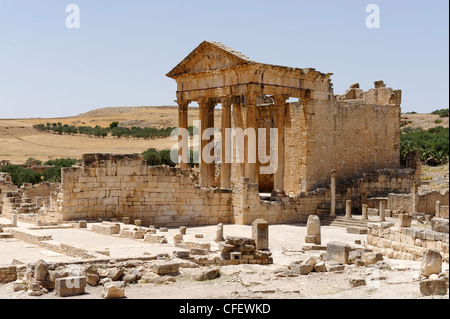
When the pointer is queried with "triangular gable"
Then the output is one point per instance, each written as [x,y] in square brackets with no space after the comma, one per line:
[209,56]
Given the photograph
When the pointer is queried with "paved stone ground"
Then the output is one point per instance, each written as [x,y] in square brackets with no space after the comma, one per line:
[236,282]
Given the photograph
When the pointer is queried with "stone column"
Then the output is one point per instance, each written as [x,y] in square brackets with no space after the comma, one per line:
[252,123]
[348,209]
[225,171]
[278,176]
[437,209]
[183,144]
[219,233]
[382,210]
[14,219]
[364,211]
[206,169]
[211,167]
[413,199]
[333,193]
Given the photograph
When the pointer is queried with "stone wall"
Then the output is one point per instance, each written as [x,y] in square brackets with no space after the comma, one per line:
[405,243]
[426,202]
[8,274]
[116,186]
[352,136]
[6,185]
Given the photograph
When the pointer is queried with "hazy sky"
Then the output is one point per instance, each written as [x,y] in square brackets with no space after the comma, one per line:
[120,54]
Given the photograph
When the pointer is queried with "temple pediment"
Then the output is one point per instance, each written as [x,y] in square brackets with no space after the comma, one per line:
[209,56]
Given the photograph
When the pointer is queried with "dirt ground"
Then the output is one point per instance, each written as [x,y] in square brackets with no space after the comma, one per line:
[235,282]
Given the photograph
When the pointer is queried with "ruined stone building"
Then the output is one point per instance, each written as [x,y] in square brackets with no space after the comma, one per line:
[331,148]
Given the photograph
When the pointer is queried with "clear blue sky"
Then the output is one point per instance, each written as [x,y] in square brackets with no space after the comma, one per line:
[120,54]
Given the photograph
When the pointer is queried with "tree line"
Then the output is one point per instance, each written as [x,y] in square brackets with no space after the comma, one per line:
[113,129]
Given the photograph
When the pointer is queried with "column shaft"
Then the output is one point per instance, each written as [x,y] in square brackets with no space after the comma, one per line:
[225,172]
[278,177]
[333,194]
[251,150]
[183,143]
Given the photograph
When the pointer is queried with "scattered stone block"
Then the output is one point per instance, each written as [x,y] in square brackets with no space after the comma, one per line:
[163,229]
[165,267]
[356,230]
[183,230]
[155,239]
[353,255]
[208,274]
[357,282]
[181,253]
[197,251]
[130,278]
[115,273]
[178,238]
[309,247]
[440,225]
[40,270]
[320,267]
[300,268]
[404,221]
[333,266]
[70,286]
[114,290]
[371,258]
[198,235]
[338,252]
[138,222]
[430,287]
[313,229]
[81,224]
[260,233]
[19,285]
[310,239]
[431,262]
[92,279]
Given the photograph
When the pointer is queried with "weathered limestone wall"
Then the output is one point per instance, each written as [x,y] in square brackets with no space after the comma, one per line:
[248,205]
[6,185]
[426,202]
[115,186]
[351,138]
[8,274]
[405,243]
[377,184]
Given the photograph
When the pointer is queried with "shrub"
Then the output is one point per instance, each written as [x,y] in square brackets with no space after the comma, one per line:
[433,144]
[441,112]
[20,175]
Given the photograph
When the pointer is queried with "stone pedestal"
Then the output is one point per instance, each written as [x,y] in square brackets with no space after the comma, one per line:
[313,229]
[382,211]
[219,233]
[348,209]
[260,233]
[364,211]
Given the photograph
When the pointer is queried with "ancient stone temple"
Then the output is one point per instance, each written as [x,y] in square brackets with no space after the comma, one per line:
[352,134]
[333,152]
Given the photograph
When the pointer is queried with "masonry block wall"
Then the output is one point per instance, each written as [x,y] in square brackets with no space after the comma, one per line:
[115,186]
[6,185]
[426,202]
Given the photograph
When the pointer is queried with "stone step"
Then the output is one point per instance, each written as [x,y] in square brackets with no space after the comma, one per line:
[6,235]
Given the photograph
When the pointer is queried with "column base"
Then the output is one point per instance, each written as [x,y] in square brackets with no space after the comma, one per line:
[278,194]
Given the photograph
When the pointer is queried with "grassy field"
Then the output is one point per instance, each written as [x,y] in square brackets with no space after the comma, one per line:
[20,141]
